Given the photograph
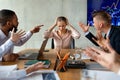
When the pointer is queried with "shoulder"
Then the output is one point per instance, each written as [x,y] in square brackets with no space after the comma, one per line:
[115,31]
[115,28]
[2,35]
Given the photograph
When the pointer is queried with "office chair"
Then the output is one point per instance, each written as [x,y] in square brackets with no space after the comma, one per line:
[72,46]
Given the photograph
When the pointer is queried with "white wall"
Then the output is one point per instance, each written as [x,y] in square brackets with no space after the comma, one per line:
[34,12]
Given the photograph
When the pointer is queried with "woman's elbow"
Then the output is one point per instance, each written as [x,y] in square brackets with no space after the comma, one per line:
[77,36]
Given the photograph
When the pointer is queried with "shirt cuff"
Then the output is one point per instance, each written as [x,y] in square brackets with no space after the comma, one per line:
[10,42]
[118,72]
[86,33]
[30,33]
[21,73]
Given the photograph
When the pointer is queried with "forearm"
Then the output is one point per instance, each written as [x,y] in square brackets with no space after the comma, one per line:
[51,28]
[75,33]
[90,36]
[4,48]
[34,67]
[29,70]
[24,39]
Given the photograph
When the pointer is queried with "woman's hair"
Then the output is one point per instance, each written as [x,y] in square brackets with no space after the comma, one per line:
[6,15]
[62,18]
[103,16]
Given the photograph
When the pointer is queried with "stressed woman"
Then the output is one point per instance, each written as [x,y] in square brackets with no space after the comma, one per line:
[62,36]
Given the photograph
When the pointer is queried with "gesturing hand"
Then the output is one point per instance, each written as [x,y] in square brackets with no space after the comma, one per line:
[110,60]
[101,41]
[10,57]
[16,36]
[36,29]
[84,27]
[35,67]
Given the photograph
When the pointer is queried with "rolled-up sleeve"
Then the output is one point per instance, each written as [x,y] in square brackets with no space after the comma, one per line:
[5,47]
[75,33]
[24,38]
[48,34]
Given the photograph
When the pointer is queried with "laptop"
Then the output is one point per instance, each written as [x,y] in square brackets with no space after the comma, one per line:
[35,56]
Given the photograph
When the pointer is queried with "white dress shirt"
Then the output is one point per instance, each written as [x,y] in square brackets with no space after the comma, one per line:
[118,72]
[12,75]
[7,46]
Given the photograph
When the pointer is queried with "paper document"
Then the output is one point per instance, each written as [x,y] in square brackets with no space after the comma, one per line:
[8,67]
[42,75]
[99,75]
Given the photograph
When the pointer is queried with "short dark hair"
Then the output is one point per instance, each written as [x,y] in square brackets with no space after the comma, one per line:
[62,18]
[103,15]
[6,15]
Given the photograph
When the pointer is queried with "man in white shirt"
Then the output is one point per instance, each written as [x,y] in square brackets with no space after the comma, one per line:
[18,74]
[10,38]
[9,22]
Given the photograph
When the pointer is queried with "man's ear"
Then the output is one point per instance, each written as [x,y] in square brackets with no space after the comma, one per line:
[101,24]
[8,23]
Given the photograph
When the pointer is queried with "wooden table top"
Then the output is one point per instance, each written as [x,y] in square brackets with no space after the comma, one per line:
[70,74]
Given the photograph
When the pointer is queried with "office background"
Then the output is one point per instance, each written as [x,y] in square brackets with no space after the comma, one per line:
[34,12]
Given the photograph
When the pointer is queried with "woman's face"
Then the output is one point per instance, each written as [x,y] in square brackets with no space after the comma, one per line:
[61,25]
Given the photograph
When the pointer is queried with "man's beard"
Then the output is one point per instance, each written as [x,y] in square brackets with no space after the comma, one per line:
[15,28]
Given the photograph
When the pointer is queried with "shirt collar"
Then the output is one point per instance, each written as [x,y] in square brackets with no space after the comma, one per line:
[108,32]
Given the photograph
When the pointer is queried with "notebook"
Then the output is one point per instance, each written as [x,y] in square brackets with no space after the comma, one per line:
[46,63]
[33,56]
[98,75]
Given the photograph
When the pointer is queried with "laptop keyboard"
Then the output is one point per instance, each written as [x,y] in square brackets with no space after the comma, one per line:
[30,56]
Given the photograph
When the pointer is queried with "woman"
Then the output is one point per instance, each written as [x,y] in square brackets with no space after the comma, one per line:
[63,36]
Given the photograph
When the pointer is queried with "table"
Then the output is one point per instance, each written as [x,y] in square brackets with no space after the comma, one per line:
[70,74]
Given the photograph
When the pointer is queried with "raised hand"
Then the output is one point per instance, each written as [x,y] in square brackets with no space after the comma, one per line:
[110,60]
[16,36]
[101,41]
[84,27]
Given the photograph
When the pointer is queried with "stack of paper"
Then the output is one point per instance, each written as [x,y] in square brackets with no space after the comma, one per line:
[99,75]
[42,75]
[8,67]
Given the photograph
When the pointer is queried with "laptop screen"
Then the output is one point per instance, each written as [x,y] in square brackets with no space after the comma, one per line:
[42,48]
[32,56]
